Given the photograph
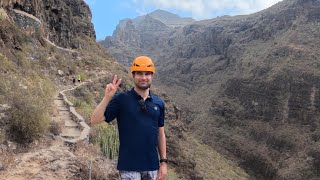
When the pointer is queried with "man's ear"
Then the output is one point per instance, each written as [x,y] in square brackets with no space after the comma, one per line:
[132,74]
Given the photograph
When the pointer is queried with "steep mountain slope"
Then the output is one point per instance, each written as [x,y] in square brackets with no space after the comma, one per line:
[249,84]
[43,45]
[62,21]
[142,34]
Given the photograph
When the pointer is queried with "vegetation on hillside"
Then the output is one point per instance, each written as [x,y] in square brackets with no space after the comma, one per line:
[28,93]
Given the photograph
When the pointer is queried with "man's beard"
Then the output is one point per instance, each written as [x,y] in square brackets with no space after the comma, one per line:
[143,87]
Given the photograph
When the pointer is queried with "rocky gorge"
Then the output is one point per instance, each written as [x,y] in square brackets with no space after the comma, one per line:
[248,85]
[43,45]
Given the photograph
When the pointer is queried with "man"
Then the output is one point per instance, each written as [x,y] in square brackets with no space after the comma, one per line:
[74,80]
[140,118]
[79,78]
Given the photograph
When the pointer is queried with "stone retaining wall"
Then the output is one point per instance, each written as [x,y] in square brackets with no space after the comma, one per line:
[85,129]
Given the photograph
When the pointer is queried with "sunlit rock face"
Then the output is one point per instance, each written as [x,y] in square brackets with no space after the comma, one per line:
[63,22]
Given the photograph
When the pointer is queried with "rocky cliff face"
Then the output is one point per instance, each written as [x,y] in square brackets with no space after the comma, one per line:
[61,21]
[250,85]
[143,34]
[5,3]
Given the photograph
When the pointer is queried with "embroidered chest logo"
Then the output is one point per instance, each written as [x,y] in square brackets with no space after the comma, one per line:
[155,108]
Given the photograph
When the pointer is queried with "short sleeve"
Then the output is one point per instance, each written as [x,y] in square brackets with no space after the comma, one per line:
[113,108]
[161,117]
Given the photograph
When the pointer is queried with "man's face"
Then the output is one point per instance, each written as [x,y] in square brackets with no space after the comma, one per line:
[142,79]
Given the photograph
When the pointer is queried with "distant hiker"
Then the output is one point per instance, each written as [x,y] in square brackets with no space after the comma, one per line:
[74,80]
[79,78]
[140,118]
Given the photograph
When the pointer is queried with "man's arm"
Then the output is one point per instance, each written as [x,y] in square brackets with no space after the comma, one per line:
[111,88]
[162,143]
[98,114]
[162,147]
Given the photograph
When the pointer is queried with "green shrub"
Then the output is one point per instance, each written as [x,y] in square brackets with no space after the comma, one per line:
[172,175]
[108,139]
[55,128]
[83,94]
[6,65]
[30,106]
[53,49]
[84,109]
[82,99]
[23,62]
[2,136]
[3,14]
[38,33]
[315,154]
[28,120]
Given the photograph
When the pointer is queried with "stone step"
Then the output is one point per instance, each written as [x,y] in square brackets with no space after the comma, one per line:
[65,115]
[59,102]
[70,123]
[55,119]
[70,132]
[63,108]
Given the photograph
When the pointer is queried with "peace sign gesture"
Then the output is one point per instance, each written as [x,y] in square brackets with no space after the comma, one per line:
[111,88]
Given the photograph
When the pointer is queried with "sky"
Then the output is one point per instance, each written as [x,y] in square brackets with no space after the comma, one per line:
[106,14]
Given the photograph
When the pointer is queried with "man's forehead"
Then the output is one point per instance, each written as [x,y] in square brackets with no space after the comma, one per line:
[143,72]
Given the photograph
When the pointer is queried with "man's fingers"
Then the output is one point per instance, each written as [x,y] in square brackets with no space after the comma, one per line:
[114,85]
[114,81]
[118,83]
[110,87]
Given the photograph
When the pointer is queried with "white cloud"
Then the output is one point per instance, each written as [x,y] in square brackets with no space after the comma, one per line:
[202,9]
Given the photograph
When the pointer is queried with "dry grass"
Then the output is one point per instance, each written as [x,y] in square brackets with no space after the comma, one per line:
[211,164]
[7,158]
[3,14]
[55,128]
[29,112]
[172,175]
[29,96]
[90,157]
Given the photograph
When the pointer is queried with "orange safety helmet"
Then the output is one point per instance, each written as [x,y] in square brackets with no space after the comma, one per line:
[142,63]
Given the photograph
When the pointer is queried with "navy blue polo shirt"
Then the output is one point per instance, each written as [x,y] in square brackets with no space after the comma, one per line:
[138,130]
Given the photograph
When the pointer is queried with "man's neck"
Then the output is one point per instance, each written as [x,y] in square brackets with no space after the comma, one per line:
[143,93]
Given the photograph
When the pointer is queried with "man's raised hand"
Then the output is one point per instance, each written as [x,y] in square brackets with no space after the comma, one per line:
[111,88]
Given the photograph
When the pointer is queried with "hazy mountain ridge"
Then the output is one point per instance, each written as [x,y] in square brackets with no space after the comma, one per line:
[250,84]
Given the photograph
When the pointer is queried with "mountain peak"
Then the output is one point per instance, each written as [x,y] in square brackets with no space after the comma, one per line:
[169,18]
[160,12]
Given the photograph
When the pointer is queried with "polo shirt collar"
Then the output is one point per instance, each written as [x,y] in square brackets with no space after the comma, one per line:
[150,96]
